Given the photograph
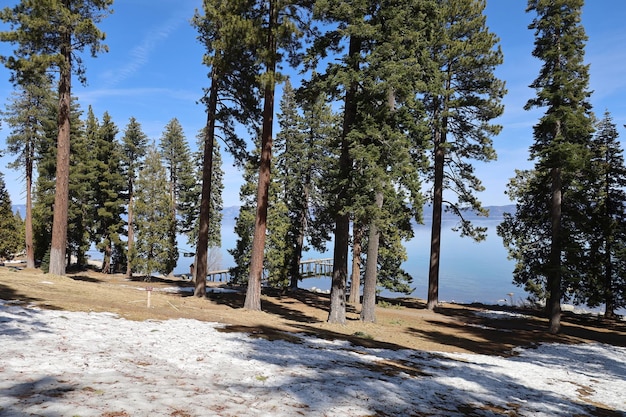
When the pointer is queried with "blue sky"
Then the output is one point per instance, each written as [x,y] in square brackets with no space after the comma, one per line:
[154,72]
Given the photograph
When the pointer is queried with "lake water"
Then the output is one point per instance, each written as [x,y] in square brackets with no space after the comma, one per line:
[469,271]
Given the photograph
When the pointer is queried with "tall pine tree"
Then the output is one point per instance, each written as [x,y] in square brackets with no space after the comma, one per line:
[225,31]
[25,115]
[462,97]
[543,234]
[282,25]
[134,149]
[604,280]
[108,187]
[10,233]
[48,36]
[154,250]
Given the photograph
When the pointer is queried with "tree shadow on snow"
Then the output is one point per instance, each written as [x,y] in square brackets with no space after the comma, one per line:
[390,382]
[24,398]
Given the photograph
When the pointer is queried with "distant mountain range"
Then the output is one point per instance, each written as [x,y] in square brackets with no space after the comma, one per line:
[495,213]
[230,213]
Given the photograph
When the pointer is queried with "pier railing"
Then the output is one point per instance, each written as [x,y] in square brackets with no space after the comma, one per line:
[309,268]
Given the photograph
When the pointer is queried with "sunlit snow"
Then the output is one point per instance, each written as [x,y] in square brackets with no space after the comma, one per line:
[58,363]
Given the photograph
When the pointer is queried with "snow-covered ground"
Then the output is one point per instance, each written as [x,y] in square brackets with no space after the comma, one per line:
[58,363]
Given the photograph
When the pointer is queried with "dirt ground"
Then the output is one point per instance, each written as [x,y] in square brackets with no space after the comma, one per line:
[401,323]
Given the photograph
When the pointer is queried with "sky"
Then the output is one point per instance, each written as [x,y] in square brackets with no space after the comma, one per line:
[62,363]
[154,73]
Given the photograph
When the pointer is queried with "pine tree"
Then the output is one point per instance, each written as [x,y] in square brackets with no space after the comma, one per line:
[244,225]
[10,232]
[544,235]
[108,185]
[462,97]
[280,249]
[80,216]
[283,24]
[224,29]
[177,160]
[191,201]
[389,118]
[154,250]
[25,115]
[191,197]
[604,278]
[562,134]
[342,77]
[302,159]
[43,195]
[379,79]
[49,35]
[45,183]
[134,148]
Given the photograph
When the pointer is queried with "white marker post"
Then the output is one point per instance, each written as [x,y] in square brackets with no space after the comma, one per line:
[149,290]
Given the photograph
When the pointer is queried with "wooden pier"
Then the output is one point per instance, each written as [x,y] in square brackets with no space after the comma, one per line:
[316,268]
[310,268]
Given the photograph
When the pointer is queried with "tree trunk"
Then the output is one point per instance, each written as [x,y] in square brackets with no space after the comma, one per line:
[355,277]
[202,247]
[297,252]
[61,203]
[609,297]
[106,262]
[368,312]
[253,294]
[553,305]
[28,233]
[435,238]
[131,232]
[337,313]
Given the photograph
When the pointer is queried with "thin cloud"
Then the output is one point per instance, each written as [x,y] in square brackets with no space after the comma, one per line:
[91,96]
[140,55]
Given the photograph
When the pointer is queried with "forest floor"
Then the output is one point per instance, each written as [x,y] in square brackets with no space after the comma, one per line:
[401,322]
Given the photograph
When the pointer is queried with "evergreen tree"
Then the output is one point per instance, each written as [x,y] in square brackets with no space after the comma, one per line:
[177,160]
[224,29]
[604,280]
[25,115]
[304,140]
[545,236]
[280,249]
[10,232]
[134,148]
[190,203]
[462,97]
[389,121]
[44,194]
[340,78]
[49,35]
[154,250]
[80,216]
[191,200]
[244,225]
[379,78]
[283,23]
[108,185]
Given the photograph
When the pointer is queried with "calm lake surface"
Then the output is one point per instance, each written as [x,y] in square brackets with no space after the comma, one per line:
[469,272]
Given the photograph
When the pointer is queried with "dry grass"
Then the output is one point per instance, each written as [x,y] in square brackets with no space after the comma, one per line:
[453,327]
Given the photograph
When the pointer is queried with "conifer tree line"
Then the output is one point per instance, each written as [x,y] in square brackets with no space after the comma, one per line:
[129,197]
[395,103]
